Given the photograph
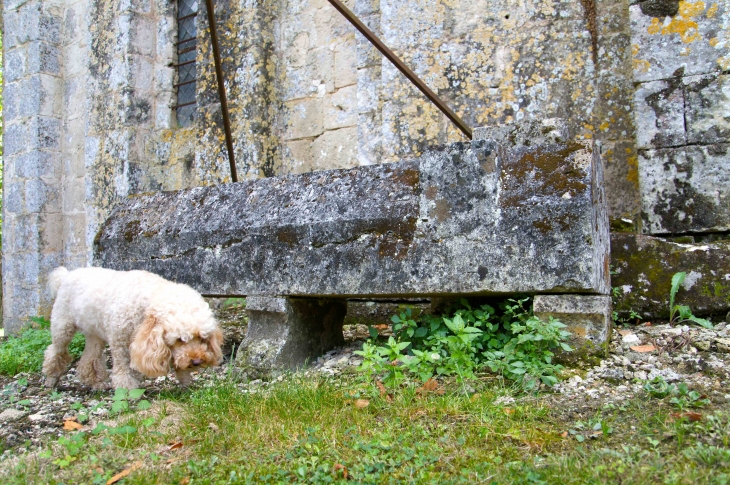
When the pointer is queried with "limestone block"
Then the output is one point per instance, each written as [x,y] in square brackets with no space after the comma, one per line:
[51,242]
[141,31]
[707,111]
[340,108]
[14,197]
[12,96]
[74,194]
[475,218]
[305,118]
[368,89]
[37,164]
[44,134]
[42,197]
[299,154]
[345,64]
[621,166]
[588,317]
[43,57]
[15,139]
[665,44]
[369,149]
[685,189]
[25,233]
[286,333]
[367,55]
[29,22]
[16,64]
[335,149]
[659,112]
[41,95]
[74,234]
[644,267]
[315,77]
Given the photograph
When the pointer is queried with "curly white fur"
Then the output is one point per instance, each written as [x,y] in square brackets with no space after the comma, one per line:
[150,324]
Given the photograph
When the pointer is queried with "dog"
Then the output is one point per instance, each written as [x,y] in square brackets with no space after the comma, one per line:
[151,324]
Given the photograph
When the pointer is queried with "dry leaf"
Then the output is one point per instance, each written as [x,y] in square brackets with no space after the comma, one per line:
[564,434]
[691,417]
[70,425]
[431,385]
[134,466]
[384,391]
[361,403]
[643,348]
[175,446]
[339,466]
[185,481]
[475,396]
[508,411]
[625,332]
[213,426]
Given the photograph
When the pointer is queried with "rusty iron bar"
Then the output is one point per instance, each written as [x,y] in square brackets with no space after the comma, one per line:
[352,18]
[221,88]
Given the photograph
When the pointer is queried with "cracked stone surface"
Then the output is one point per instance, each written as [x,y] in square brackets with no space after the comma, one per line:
[486,217]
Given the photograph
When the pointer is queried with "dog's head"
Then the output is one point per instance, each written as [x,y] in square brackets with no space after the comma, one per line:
[179,331]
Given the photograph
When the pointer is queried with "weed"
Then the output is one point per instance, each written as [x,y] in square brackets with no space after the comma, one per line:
[511,342]
[682,313]
[682,397]
[24,353]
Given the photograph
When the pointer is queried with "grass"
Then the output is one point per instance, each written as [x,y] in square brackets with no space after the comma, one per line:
[305,430]
[24,353]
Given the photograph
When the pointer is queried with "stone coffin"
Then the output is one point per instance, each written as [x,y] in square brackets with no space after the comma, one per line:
[493,216]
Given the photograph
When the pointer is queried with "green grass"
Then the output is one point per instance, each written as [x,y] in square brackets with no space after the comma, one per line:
[24,353]
[305,430]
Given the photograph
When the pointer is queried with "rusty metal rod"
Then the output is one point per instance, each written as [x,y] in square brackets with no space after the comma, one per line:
[352,18]
[221,88]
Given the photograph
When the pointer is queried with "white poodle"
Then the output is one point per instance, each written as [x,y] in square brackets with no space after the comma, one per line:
[150,324]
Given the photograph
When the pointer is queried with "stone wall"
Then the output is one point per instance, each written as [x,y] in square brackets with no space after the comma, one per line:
[681,58]
[89,96]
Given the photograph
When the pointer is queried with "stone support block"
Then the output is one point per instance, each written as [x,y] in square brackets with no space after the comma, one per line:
[588,317]
[286,333]
[643,270]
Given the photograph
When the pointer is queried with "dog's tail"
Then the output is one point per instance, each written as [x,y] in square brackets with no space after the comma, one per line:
[55,279]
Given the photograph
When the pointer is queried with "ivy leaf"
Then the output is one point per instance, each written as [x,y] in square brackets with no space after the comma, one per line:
[136,393]
[373,332]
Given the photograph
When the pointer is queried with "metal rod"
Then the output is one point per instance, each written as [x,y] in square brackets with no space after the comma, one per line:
[185,40]
[402,67]
[184,63]
[221,88]
[177,85]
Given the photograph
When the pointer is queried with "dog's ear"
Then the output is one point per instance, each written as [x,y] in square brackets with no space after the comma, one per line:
[149,353]
[216,340]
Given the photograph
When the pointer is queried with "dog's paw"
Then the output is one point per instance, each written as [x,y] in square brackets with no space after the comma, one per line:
[51,382]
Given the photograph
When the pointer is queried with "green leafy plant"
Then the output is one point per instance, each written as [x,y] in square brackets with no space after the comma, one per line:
[24,353]
[681,396]
[682,313]
[121,398]
[510,341]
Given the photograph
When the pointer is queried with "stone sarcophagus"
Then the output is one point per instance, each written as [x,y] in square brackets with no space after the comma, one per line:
[515,211]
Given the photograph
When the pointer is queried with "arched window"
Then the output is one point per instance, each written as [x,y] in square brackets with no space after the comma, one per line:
[187,32]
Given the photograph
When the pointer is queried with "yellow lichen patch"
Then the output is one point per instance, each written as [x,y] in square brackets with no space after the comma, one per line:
[655,27]
[724,63]
[633,172]
[711,11]
[685,52]
[604,126]
[683,25]
[714,41]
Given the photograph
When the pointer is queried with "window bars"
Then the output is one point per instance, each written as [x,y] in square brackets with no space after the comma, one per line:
[187,42]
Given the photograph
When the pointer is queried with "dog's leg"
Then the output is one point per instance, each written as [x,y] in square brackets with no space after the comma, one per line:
[122,374]
[57,359]
[91,368]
